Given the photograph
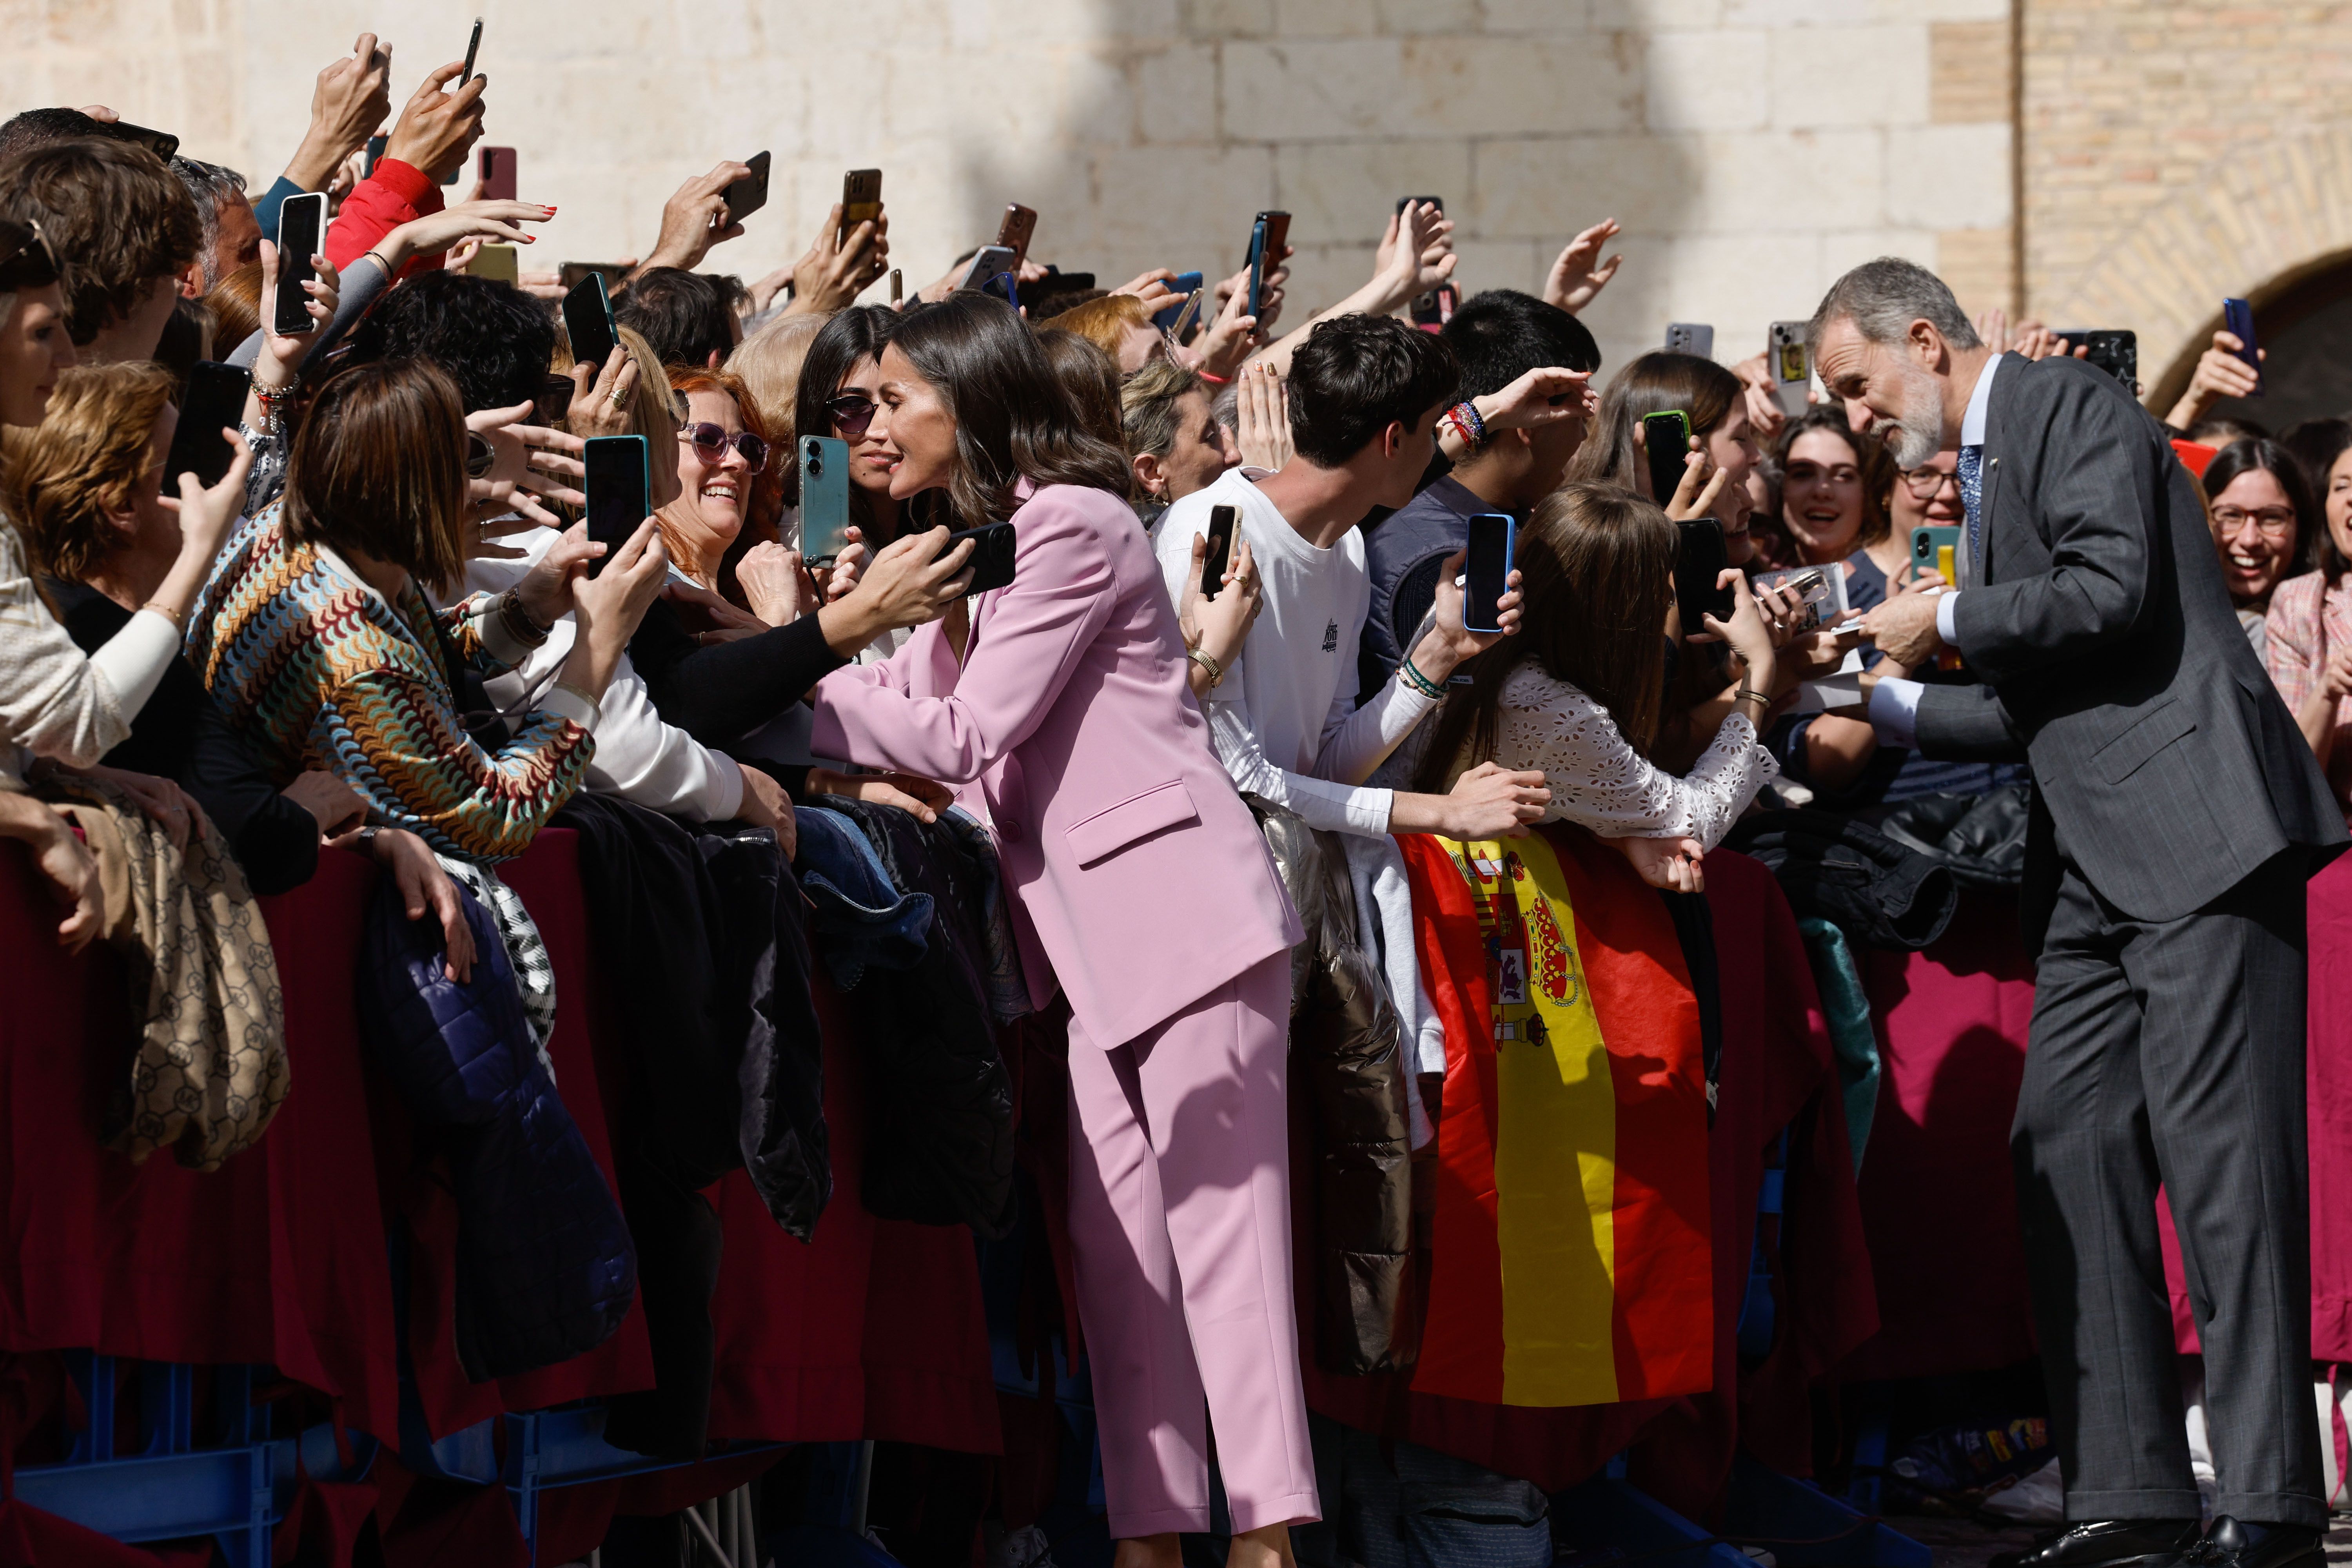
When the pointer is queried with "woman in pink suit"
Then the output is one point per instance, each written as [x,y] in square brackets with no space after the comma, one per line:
[1059,708]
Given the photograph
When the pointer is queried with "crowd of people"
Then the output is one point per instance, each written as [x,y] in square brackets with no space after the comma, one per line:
[383,631]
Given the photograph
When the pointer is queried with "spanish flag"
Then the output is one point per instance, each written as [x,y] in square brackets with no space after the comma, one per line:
[1572,1262]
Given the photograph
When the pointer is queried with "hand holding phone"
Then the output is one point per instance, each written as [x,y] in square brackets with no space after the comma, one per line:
[588,322]
[749,194]
[1487,570]
[619,486]
[824,464]
[1222,519]
[301,227]
[1014,233]
[861,202]
[214,401]
[992,557]
[1666,443]
[2238,319]
[1269,239]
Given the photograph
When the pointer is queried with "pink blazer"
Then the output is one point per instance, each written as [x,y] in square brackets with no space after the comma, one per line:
[1139,878]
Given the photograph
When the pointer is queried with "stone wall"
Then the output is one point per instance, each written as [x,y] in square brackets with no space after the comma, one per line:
[1752,148]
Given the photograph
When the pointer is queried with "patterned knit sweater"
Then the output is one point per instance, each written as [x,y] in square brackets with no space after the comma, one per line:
[318,669]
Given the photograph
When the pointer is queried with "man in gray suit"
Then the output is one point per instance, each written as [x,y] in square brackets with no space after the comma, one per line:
[2177,814]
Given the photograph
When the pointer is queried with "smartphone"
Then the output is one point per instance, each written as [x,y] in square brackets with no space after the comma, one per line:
[1221,547]
[162,143]
[1182,283]
[986,263]
[1486,569]
[1014,233]
[375,145]
[1269,236]
[1404,202]
[1935,548]
[620,492]
[1690,338]
[473,46]
[2117,352]
[825,498]
[1665,441]
[588,322]
[496,167]
[301,222]
[1185,313]
[991,554]
[1432,310]
[861,202]
[1817,596]
[499,263]
[2238,316]
[555,400]
[750,194]
[215,399]
[897,288]
[1792,370]
[571,274]
[1697,568]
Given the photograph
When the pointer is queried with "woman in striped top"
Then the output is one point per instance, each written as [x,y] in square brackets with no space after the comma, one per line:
[316,637]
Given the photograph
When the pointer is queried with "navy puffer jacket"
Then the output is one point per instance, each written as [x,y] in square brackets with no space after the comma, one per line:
[545,1271]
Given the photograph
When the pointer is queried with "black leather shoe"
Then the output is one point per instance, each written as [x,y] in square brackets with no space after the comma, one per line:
[2230,1544]
[2110,1543]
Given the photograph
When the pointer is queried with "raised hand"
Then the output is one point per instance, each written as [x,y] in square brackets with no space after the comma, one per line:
[1578,273]
[695,218]
[837,268]
[438,129]
[1262,418]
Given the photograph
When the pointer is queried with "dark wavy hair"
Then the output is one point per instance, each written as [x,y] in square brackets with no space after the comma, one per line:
[1356,376]
[490,338]
[1013,420]
[848,337]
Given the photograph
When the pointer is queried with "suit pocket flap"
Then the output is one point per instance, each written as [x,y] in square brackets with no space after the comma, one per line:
[2150,733]
[1108,832]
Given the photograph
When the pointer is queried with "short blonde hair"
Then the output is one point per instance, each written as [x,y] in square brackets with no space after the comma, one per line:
[83,460]
[768,362]
[1105,322]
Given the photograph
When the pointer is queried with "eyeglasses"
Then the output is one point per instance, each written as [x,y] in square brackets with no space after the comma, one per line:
[26,259]
[1926,484]
[852,413]
[712,441]
[2273,521]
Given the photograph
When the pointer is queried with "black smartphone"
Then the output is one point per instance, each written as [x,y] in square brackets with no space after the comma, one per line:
[1269,234]
[1701,562]
[555,400]
[1486,569]
[991,554]
[496,166]
[473,46]
[571,274]
[1014,233]
[1404,202]
[588,322]
[620,492]
[1221,547]
[1434,309]
[1665,442]
[2115,350]
[301,224]
[861,202]
[215,399]
[375,146]
[2238,316]
[162,143]
[750,194]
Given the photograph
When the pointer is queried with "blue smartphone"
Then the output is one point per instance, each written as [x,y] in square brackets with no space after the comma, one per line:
[1183,283]
[620,492]
[1486,569]
[2238,316]
[1269,237]
[824,498]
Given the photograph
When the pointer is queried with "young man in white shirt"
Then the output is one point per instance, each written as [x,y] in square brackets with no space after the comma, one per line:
[1365,392]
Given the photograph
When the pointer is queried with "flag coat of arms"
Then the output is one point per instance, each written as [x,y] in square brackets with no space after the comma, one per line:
[1572,1251]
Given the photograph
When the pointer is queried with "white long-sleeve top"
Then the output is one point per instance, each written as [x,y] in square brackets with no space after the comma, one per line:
[639,757]
[56,700]
[1598,780]
[1284,719]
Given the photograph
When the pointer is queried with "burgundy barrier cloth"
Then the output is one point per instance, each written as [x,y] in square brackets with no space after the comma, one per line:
[1776,1070]
[874,1330]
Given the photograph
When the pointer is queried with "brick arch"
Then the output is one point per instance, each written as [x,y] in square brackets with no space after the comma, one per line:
[2255,226]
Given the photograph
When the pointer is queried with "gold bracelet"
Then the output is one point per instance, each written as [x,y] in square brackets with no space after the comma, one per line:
[1741,693]
[179,618]
[1216,671]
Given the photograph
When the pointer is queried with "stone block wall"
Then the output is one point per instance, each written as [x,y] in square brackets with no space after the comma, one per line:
[1752,148]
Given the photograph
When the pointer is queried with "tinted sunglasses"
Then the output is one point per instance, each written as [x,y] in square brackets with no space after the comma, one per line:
[26,259]
[712,441]
[852,413]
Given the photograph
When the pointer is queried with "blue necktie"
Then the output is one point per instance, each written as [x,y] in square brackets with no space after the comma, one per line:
[1973,498]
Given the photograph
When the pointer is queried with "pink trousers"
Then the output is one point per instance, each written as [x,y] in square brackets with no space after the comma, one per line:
[1180,1217]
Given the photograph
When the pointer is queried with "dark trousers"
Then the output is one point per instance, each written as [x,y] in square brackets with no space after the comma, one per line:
[2172,1051]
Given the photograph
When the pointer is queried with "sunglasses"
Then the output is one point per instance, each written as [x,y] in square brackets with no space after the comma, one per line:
[712,441]
[26,259]
[852,413]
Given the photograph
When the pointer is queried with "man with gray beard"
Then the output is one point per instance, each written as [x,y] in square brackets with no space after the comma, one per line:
[2175,816]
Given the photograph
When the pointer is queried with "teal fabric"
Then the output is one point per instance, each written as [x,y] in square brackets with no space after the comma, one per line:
[1838,980]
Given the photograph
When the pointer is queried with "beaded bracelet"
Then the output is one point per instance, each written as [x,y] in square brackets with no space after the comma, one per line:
[1467,420]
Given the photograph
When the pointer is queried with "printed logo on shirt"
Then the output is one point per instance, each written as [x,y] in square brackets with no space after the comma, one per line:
[1331,638]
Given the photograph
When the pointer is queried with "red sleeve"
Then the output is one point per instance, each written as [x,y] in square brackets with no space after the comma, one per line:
[394,194]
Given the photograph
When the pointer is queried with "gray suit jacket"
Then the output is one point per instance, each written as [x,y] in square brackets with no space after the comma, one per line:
[2161,753]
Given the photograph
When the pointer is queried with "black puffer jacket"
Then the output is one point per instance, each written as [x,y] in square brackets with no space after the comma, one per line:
[545,1271]
[938,1141]
[1348,1078]
[1848,873]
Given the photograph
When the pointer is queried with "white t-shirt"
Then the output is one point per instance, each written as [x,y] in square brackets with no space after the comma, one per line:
[1283,719]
